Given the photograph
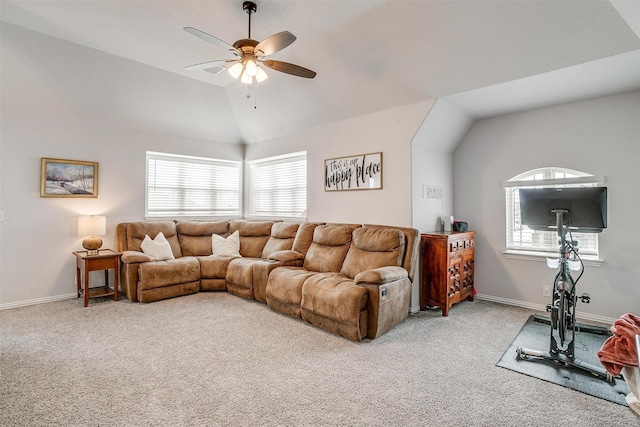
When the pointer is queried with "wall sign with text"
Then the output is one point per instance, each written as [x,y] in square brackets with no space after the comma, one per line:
[363,172]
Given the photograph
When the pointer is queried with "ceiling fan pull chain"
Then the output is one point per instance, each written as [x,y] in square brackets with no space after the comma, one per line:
[255,97]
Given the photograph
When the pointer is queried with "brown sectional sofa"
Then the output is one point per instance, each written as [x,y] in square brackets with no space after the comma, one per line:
[350,279]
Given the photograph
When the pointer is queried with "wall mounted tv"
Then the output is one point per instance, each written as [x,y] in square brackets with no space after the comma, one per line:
[586,206]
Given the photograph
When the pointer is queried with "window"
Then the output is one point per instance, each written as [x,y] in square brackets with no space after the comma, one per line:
[277,186]
[520,237]
[184,186]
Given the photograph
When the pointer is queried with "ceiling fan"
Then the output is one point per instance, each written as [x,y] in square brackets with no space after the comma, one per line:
[250,53]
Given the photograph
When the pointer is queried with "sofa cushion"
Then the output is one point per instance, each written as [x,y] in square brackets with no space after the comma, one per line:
[336,298]
[229,246]
[372,248]
[136,231]
[157,274]
[412,247]
[195,236]
[240,272]
[158,249]
[214,267]
[304,237]
[284,289]
[253,236]
[328,249]
[282,235]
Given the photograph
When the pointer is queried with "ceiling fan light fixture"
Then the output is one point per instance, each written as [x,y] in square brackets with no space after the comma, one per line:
[261,75]
[251,68]
[246,78]
[236,69]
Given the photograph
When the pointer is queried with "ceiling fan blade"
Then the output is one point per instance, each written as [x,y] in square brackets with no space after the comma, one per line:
[288,68]
[274,43]
[209,38]
[208,64]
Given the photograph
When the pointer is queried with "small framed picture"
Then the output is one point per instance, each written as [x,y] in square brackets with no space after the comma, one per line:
[68,178]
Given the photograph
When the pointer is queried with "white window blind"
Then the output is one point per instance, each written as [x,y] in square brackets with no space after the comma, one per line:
[523,239]
[277,186]
[185,186]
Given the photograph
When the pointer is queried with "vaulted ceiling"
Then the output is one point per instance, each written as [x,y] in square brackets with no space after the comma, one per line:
[483,57]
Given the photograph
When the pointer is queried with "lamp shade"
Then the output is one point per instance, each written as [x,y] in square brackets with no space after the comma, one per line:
[261,75]
[236,69]
[93,225]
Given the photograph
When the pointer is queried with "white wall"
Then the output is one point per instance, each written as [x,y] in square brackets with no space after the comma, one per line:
[389,131]
[598,136]
[432,163]
[87,116]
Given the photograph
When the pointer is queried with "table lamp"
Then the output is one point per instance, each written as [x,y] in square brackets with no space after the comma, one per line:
[92,226]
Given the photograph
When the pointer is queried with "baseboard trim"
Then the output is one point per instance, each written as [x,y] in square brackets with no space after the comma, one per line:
[35,301]
[539,307]
[412,310]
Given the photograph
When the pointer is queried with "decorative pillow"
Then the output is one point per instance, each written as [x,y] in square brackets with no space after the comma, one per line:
[158,248]
[226,247]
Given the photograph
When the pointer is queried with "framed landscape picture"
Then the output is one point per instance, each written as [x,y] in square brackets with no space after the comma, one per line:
[68,178]
[361,172]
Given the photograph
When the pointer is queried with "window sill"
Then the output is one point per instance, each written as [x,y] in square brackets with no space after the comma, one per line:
[192,218]
[275,218]
[542,257]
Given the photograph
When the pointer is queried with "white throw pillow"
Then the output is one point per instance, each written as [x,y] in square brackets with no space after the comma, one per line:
[158,248]
[226,247]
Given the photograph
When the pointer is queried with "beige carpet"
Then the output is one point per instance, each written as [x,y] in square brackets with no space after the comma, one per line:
[213,359]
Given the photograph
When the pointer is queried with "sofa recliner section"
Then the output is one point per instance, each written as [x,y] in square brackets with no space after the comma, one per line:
[243,274]
[147,280]
[195,240]
[325,255]
[349,279]
[372,292]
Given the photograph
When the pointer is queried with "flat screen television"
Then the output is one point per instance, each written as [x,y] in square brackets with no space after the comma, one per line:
[586,206]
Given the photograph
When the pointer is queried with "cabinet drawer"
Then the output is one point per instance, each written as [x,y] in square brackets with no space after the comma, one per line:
[101,263]
[454,278]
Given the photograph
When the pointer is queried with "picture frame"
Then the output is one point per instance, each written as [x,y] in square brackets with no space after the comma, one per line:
[68,178]
[359,172]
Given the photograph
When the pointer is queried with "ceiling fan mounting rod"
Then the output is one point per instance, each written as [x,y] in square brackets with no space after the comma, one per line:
[249,7]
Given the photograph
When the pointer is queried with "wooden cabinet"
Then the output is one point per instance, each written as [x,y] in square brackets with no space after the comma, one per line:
[446,269]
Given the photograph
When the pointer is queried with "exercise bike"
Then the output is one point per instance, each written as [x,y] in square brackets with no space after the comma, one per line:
[562,308]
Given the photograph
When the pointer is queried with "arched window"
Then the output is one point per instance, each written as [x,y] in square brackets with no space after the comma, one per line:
[521,238]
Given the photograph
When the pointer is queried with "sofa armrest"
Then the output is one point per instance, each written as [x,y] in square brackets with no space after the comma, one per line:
[381,276]
[129,272]
[287,256]
[130,257]
[389,298]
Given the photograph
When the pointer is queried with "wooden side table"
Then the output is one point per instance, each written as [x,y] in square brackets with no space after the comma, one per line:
[106,259]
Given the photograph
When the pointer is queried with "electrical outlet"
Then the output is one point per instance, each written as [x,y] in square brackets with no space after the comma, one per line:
[546,290]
